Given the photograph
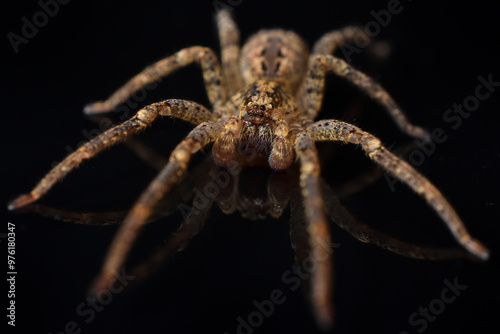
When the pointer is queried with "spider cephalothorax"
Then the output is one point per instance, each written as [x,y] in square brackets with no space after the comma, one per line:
[259,127]
[265,99]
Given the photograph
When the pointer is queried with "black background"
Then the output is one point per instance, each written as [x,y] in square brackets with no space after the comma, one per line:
[90,48]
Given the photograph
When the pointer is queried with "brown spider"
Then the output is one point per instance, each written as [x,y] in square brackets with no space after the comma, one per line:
[264,99]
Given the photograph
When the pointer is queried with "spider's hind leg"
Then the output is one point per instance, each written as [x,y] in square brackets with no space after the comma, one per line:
[350,39]
[229,37]
[331,41]
[207,59]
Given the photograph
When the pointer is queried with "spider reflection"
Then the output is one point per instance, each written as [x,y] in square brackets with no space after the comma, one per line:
[255,193]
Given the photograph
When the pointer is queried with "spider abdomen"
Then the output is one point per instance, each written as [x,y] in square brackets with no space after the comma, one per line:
[274,55]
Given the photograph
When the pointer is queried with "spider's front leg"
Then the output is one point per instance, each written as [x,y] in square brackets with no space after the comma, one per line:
[332,130]
[317,228]
[198,138]
[204,56]
[185,110]
[314,86]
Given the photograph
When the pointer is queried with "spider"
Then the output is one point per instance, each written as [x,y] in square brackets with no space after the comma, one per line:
[265,98]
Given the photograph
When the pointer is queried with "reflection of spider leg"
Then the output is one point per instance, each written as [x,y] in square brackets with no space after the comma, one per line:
[299,239]
[229,37]
[364,233]
[204,56]
[333,130]
[199,137]
[146,153]
[314,87]
[181,193]
[298,233]
[227,198]
[368,177]
[81,218]
[278,191]
[203,175]
[317,228]
[185,110]
[191,225]
[143,152]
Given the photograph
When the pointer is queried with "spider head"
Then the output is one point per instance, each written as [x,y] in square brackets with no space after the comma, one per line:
[276,55]
[262,103]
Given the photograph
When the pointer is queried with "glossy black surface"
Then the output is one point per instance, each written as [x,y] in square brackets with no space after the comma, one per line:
[90,48]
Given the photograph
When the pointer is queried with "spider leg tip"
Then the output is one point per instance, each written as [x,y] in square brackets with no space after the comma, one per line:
[88,109]
[325,324]
[478,249]
[95,108]
[21,201]
[325,318]
[422,134]
[100,284]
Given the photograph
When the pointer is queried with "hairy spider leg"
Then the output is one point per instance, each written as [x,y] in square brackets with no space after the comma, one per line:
[229,37]
[207,59]
[333,130]
[314,87]
[198,138]
[185,110]
[317,228]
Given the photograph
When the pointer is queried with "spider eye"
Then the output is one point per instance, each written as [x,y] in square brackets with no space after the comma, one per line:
[262,108]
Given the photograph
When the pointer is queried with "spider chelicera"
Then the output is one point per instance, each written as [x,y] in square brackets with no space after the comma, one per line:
[265,98]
